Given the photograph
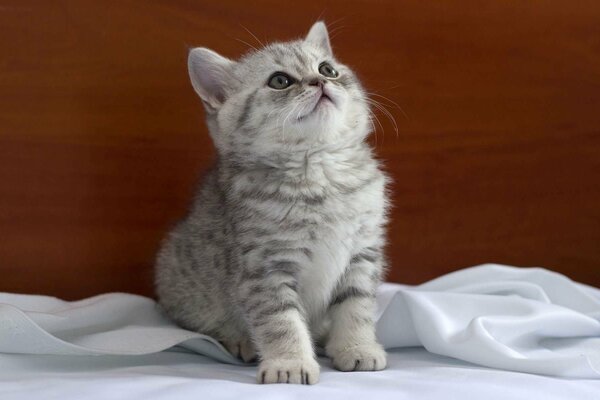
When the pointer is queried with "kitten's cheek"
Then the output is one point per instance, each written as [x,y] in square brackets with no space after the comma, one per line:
[341,101]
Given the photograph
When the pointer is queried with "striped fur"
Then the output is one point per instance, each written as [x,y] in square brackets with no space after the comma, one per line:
[282,248]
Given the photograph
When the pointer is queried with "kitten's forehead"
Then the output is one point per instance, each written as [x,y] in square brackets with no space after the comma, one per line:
[296,58]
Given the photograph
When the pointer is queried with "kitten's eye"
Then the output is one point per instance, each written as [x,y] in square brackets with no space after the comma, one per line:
[280,81]
[327,70]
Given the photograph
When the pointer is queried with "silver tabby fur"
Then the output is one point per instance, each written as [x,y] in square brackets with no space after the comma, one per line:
[282,248]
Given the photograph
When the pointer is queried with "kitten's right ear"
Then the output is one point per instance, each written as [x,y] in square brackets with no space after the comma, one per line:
[210,74]
[319,36]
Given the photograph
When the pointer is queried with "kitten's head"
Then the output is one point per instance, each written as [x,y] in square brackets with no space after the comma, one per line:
[285,97]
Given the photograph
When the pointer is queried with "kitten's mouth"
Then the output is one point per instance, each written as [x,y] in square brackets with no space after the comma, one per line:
[324,98]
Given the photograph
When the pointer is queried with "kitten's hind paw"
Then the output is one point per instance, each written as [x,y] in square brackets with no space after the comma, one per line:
[369,357]
[242,349]
[301,371]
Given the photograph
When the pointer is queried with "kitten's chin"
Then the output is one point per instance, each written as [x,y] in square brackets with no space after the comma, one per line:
[325,116]
[320,130]
[322,107]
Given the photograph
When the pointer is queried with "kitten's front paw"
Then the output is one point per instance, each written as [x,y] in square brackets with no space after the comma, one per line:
[303,371]
[369,357]
[243,349]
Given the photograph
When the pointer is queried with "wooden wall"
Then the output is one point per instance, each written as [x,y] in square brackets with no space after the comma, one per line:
[102,138]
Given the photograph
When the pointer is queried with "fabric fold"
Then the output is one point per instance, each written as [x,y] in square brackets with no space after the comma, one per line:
[520,319]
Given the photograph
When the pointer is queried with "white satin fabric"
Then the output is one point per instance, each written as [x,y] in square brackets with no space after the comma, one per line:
[412,374]
[520,319]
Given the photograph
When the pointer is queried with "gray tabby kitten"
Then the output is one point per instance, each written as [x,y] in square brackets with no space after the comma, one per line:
[282,248]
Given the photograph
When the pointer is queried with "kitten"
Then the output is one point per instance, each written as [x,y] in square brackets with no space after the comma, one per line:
[283,245]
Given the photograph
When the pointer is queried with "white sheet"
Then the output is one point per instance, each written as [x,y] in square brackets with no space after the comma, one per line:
[412,374]
[529,320]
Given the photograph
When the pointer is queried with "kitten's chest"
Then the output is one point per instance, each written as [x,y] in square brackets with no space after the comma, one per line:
[325,207]
[331,252]
[349,208]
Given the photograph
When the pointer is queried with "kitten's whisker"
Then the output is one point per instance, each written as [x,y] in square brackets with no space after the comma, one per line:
[271,112]
[280,130]
[335,35]
[285,111]
[332,23]
[321,15]
[285,119]
[336,32]
[373,129]
[336,29]
[372,116]
[391,101]
[253,35]
[371,123]
[380,125]
[246,43]
[383,97]
[380,107]
[389,115]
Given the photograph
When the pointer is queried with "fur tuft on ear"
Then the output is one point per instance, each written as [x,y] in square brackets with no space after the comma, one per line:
[319,37]
[210,74]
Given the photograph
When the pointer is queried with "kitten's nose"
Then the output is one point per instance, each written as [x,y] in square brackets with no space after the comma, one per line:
[316,82]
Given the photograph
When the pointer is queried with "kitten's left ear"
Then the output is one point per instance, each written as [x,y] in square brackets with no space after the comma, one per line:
[211,75]
[319,37]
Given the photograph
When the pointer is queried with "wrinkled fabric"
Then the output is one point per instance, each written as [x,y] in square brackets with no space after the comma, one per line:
[519,319]
[411,374]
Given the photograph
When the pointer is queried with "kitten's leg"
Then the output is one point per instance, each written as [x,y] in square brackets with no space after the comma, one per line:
[351,343]
[275,317]
[242,348]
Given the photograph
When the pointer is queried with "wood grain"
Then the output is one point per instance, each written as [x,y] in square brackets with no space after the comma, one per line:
[102,138]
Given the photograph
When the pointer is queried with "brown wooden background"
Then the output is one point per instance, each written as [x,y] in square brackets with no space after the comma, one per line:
[102,137]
